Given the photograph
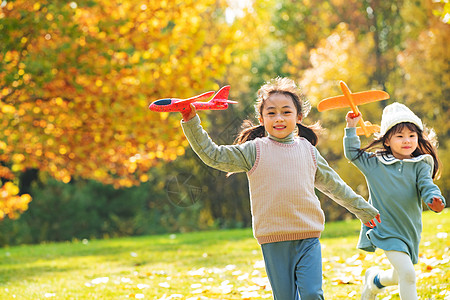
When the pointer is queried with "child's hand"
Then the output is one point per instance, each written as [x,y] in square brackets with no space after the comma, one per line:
[437,205]
[190,113]
[371,223]
[351,119]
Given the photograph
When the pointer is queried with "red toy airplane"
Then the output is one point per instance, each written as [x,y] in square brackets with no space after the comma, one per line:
[350,99]
[218,102]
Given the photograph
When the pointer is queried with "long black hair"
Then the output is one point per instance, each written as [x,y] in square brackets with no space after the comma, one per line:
[427,144]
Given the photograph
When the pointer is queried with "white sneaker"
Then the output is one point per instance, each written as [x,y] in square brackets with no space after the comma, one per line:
[370,290]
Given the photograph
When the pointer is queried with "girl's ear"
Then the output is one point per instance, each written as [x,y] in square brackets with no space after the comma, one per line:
[299,119]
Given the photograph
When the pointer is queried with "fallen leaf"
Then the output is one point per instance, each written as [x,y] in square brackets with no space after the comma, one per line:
[249,295]
[441,235]
[49,295]
[100,280]
[143,286]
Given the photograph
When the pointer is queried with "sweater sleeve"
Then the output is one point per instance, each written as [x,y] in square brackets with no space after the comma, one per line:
[328,182]
[227,158]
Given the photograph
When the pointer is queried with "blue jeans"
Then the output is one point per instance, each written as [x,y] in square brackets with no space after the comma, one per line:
[293,268]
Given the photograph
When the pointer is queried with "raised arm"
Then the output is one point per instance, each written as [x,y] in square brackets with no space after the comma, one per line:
[227,158]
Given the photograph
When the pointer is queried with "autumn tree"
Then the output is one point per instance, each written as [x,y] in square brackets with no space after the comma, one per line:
[423,80]
[370,45]
[76,79]
[404,53]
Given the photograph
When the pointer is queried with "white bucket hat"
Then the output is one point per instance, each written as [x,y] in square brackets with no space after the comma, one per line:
[396,113]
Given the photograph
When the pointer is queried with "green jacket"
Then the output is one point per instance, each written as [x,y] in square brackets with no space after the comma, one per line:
[396,188]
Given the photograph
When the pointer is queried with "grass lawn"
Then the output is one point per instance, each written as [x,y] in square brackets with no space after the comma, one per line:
[205,265]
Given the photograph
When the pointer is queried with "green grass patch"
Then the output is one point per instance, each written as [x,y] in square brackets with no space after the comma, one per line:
[204,265]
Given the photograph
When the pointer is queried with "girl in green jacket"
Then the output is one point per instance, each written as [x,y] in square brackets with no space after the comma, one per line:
[399,176]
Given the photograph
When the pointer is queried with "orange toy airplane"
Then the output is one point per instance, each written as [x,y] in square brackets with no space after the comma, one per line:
[350,99]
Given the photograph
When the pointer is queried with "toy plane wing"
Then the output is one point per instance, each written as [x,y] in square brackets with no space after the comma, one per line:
[358,99]
[351,100]
[185,102]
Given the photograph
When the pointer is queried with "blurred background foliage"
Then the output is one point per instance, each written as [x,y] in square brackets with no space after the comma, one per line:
[82,157]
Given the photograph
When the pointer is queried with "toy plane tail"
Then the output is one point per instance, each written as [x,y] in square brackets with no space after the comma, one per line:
[358,98]
[369,128]
[222,96]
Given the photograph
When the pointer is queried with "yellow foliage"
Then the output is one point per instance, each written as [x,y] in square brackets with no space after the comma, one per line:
[11,204]
[338,57]
[107,62]
[76,101]
[423,66]
[8,109]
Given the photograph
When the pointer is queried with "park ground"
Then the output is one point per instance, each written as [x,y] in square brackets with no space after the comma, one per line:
[224,264]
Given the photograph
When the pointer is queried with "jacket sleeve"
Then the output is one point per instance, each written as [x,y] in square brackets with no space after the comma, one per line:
[227,158]
[352,144]
[425,185]
[329,183]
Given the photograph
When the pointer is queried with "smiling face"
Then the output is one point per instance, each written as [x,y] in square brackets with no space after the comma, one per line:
[279,115]
[403,143]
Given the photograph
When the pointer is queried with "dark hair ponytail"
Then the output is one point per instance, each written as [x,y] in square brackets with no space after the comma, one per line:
[309,132]
[250,132]
[427,144]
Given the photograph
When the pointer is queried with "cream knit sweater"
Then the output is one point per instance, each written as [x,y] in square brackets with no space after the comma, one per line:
[284,204]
